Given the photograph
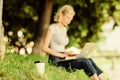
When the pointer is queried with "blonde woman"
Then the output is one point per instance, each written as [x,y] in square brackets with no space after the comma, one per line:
[56,39]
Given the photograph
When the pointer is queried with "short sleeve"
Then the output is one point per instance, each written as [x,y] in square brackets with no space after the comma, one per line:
[52,28]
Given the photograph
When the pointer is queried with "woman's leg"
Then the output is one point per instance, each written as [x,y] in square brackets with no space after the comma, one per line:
[94,77]
[99,71]
[81,63]
[101,77]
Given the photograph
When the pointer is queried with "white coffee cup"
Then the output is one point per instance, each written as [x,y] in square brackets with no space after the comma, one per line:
[40,67]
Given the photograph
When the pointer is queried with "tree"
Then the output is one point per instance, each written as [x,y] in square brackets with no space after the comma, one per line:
[86,26]
[2,43]
[44,14]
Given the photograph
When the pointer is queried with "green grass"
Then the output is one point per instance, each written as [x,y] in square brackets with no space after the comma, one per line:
[18,67]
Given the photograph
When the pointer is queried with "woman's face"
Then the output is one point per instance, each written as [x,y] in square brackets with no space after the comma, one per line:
[66,19]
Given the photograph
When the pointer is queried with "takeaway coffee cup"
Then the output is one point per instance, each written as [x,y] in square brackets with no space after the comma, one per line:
[40,67]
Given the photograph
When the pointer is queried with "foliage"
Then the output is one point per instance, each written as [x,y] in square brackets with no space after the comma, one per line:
[85,27]
[17,67]
[20,15]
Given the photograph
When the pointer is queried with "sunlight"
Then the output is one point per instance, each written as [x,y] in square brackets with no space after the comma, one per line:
[112,37]
[20,33]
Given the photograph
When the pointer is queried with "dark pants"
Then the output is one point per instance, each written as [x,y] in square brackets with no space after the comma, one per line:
[87,64]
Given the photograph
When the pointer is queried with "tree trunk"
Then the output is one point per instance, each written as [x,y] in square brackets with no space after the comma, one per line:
[2,43]
[45,9]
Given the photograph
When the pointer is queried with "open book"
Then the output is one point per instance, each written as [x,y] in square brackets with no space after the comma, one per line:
[86,51]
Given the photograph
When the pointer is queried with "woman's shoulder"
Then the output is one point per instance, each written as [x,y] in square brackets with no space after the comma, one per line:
[52,27]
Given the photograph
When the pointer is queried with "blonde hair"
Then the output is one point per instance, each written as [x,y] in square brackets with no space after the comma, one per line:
[63,10]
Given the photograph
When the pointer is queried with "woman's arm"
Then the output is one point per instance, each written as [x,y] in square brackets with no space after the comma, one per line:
[46,48]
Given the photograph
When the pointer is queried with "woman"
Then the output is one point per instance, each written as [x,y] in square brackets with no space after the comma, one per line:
[56,39]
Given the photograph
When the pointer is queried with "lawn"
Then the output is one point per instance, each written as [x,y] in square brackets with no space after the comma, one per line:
[18,67]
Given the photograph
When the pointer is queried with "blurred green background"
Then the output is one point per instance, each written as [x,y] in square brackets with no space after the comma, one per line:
[25,22]
[23,15]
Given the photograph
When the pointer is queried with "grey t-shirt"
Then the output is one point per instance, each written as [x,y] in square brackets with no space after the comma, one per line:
[59,38]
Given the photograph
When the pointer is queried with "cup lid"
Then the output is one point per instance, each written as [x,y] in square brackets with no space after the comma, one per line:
[38,62]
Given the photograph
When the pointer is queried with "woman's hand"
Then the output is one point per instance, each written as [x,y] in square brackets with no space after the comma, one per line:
[70,53]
